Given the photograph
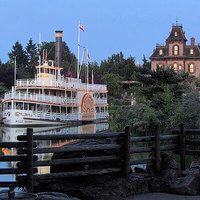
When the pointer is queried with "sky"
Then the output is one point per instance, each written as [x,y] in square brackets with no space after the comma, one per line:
[131,26]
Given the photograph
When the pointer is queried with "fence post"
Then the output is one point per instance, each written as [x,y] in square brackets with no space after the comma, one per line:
[127,151]
[157,148]
[29,159]
[182,145]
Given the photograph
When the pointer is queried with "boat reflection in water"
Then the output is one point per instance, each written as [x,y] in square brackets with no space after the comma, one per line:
[10,135]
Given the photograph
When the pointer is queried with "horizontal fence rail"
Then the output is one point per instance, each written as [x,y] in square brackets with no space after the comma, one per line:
[122,147]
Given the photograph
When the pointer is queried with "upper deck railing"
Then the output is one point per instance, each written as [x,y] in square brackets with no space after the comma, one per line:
[62,84]
[48,98]
[40,97]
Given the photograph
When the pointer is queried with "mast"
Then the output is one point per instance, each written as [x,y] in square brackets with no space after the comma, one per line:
[15,69]
[39,48]
[78,49]
[87,64]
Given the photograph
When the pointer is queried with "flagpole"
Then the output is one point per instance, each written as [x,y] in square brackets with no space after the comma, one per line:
[40,48]
[15,67]
[78,49]
[87,66]
[92,77]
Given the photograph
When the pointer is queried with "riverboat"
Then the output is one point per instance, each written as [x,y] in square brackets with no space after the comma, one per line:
[52,99]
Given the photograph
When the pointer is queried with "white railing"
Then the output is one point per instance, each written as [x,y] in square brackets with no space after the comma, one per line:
[65,116]
[100,101]
[62,84]
[102,115]
[56,116]
[40,97]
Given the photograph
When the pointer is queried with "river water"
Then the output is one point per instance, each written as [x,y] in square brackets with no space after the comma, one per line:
[8,134]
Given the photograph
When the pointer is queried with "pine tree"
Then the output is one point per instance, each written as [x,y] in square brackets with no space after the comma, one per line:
[32,58]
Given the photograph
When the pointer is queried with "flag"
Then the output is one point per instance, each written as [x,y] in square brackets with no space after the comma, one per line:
[88,55]
[81,27]
[44,55]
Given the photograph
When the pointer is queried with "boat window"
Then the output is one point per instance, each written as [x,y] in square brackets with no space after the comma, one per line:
[25,106]
[74,94]
[97,109]
[9,105]
[19,106]
[68,93]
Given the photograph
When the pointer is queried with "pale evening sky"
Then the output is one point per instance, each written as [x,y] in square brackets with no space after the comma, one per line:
[131,26]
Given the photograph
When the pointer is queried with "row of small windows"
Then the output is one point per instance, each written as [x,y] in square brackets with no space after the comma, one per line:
[176,51]
[177,68]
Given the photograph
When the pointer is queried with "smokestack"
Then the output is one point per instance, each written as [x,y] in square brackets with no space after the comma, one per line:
[192,41]
[58,50]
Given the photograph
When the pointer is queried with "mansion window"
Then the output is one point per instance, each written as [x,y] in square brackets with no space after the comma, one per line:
[191,51]
[179,68]
[160,52]
[191,68]
[175,50]
[175,34]
[175,67]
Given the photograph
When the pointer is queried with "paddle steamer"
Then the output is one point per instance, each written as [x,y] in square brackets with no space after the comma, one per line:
[52,99]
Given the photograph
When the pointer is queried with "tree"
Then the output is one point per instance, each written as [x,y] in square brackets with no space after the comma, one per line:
[113,83]
[68,58]
[3,89]
[21,58]
[32,58]
[7,74]
[140,116]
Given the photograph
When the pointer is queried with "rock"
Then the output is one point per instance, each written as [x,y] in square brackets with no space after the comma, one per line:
[189,183]
[168,174]
[95,187]
[195,163]
[139,170]
[102,187]
[82,154]
[186,185]
[167,162]
[53,196]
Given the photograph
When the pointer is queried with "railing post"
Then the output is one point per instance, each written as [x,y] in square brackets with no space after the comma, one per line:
[182,145]
[157,148]
[127,151]
[29,159]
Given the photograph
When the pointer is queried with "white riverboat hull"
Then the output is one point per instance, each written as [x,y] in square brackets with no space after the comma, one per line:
[30,118]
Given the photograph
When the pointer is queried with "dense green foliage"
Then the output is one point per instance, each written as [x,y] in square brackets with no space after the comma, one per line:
[163,97]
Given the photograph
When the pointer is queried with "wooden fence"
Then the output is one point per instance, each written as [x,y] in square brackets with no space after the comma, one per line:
[123,150]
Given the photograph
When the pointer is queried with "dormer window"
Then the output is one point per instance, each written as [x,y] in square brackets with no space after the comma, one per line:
[175,34]
[175,50]
[160,52]
[191,51]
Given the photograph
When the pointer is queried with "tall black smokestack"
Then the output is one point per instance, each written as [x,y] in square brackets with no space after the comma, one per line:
[58,50]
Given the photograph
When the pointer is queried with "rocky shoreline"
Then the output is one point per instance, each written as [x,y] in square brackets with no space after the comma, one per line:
[114,186]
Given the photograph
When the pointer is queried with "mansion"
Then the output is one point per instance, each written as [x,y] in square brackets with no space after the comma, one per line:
[176,54]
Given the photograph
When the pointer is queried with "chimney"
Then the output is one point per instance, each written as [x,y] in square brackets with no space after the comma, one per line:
[58,49]
[192,41]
